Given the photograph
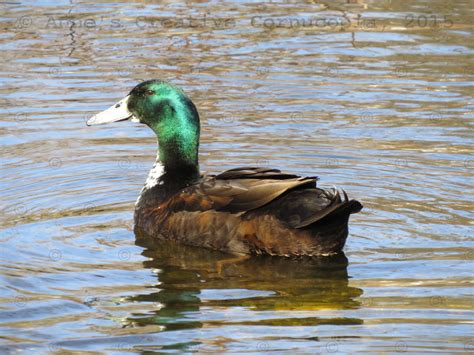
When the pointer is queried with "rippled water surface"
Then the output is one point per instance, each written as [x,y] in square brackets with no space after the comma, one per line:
[372,96]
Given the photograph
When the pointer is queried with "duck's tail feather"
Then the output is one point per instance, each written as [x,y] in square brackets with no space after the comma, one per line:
[340,207]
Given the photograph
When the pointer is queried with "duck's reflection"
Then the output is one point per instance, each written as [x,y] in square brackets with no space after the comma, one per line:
[192,278]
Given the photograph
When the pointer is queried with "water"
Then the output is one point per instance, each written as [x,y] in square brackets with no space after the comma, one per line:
[375,97]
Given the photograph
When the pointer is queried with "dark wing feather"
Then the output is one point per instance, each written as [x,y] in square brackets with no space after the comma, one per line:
[255,173]
[236,190]
[262,191]
[251,191]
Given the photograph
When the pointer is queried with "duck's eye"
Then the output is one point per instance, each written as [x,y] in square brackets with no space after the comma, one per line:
[149,92]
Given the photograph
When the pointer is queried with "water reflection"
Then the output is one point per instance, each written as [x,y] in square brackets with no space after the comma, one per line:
[192,278]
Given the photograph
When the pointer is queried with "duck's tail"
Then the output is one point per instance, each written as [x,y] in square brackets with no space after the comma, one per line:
[339,208]
[330,226]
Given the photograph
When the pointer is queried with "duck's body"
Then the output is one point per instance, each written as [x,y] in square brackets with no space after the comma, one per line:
[241,211]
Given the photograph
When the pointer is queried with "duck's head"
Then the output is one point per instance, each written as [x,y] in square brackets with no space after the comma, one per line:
[169,113]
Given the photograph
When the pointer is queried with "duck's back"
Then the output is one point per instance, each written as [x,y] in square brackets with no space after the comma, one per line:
[250,211]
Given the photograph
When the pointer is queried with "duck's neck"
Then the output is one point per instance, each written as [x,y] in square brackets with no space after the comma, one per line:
[177,131]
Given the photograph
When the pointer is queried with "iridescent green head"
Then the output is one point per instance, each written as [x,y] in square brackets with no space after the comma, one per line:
[169,113]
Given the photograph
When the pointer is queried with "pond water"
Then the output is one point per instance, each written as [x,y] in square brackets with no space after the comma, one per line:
[372,96]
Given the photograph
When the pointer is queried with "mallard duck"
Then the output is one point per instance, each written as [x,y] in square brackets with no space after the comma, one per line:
[242,211]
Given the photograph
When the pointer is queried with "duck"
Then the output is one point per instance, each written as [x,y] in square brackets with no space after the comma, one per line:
[244,211]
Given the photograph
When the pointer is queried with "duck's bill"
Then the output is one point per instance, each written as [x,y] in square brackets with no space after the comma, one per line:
[117,112]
